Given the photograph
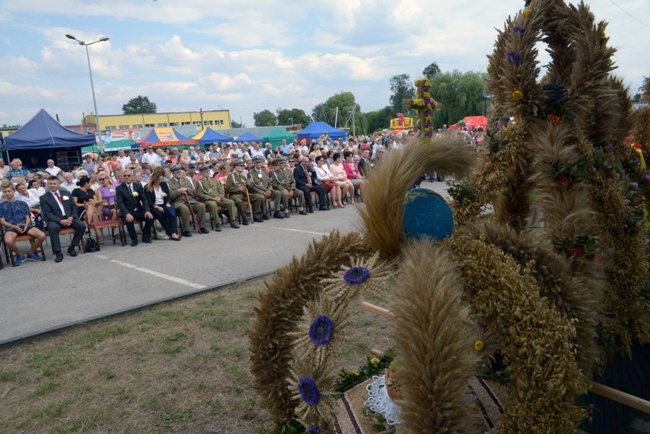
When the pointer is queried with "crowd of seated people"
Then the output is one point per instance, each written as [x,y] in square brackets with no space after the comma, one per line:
[234,183]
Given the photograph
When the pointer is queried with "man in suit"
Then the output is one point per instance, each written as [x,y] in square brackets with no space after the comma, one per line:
[211,192]
[133,205]
[364,164]
[305,181]
[282,180]
[60,211]
[260,185]
[182,192]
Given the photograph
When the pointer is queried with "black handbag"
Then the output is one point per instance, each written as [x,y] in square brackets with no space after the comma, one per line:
[91,245]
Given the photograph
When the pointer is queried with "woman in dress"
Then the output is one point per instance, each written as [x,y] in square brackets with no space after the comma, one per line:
[341,177]
[106,193]
[353,173]
[85,199]
[158,195]
[325,178]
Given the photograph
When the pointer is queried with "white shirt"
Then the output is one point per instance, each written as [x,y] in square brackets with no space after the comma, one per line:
[259,152]
[159,199]
[323,173]
[71,186]
[57,201]
[54,171]
[150,159]
[33,201]
[124,161]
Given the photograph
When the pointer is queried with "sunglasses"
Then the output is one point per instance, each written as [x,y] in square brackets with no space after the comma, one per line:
[127,176]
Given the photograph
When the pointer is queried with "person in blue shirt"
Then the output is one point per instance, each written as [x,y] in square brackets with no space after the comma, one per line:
[17,169]
[16,220]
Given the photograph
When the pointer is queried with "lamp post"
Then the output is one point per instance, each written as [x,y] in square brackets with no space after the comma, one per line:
[98,132]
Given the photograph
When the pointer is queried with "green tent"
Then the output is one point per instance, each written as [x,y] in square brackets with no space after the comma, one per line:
[275,137]
[113,146]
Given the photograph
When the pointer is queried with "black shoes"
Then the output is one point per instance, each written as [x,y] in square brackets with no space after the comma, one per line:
[59,257]
[186,234]
[245,221]
[204,231]
[146,240]
[72,252]
[135,243]
[278,215]
[217,228]
[311,210]
[256,219]
[303,212]
[324,208]
[265,216]
[234,225]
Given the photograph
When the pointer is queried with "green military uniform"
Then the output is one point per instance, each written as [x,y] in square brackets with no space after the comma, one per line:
[209,188]
[282,179]
[233,182]
[180,202]
[260,185]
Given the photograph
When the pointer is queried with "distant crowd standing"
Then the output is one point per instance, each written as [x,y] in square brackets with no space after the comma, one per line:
[231,182]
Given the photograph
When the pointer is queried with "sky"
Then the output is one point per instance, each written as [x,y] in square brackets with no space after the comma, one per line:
[250,55]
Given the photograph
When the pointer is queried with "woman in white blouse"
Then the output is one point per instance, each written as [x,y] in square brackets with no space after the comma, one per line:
[325,178]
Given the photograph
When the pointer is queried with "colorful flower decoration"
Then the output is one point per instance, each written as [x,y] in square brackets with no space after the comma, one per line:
[555,92]
[513,58]
[479,345]
[356,275]
[634,185]
[519,30]
[313,430]
[609,148]
[527,13]
[555,119]
[517,95]
[321,330]
[308,390]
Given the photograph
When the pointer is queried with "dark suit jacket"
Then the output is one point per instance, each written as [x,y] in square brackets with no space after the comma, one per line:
[151,196]
[50,206]
[127,202]
[301,178]
[364,167]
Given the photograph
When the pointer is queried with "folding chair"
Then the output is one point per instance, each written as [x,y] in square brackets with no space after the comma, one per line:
[10,255]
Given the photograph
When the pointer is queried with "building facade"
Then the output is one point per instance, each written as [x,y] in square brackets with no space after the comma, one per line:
[216,119]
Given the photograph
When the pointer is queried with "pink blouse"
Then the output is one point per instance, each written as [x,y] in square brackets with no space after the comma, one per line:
[352,170]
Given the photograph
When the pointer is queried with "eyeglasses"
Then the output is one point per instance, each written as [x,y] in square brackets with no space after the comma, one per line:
[103,179]
[127,176]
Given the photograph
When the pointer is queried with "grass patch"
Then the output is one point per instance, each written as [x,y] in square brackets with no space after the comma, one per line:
[180,367]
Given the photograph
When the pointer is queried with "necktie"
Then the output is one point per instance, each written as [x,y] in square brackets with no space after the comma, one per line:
[307,173]
[58,197]
[131,188]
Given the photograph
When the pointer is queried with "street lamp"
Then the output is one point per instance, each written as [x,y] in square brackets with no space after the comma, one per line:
[98,138]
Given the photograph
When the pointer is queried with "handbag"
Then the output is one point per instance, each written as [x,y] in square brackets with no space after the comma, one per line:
[91,245]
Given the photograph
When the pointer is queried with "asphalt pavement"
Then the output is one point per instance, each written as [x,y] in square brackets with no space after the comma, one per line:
[39,297]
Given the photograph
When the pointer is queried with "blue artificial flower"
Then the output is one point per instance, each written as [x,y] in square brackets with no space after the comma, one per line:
[313,430]
[519,30]
[513,58]
[308,390]
[356,275]
[321,330]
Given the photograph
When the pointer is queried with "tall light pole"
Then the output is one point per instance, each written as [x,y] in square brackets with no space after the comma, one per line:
[98,137]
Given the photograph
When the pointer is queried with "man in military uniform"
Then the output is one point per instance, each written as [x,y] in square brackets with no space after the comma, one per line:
[283,181]
[183,190]
[210,191]
[261,186]
[236,188]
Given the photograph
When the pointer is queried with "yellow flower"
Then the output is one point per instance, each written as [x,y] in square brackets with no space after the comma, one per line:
[164,195]
[374,361]
[527,13]
[479,345]
[356,373]
[489,67]
[135,194]
[517,95]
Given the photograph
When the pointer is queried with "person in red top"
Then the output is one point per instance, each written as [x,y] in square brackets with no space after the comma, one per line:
[354,174]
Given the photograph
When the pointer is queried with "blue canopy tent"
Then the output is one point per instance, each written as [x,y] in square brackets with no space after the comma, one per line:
[43,138]
[247,137]
[209,136]
[316,129]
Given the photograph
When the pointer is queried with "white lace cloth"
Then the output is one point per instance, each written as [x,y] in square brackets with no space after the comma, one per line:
[379,401]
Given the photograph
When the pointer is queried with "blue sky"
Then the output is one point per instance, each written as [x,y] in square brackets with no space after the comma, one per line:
[251,55]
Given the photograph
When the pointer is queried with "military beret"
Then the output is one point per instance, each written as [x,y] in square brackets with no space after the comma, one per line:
[281,160]
[258,159]
[205,168]
[191,165]
[239,163]
[176,169]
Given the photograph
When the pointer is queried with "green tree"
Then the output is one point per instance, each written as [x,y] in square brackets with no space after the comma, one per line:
[431,70]
[645,89]
[401,88]
[379,119]
[460,95]
[139,104]
[338,111]
[265,118]
[295,116]
[235,124]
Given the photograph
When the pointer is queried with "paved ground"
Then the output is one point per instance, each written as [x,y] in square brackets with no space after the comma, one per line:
[41,297]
